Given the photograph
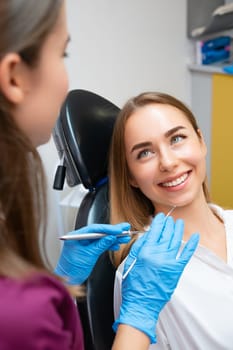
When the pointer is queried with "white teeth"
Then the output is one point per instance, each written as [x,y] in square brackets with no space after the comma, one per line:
[175,182]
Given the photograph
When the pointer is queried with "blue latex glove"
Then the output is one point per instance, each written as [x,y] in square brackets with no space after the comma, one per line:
[155,273]
[78,257]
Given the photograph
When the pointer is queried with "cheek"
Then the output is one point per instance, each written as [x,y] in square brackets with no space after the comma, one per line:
[56,82]
[65,77]
[194,154]
[142,175]
[61,83]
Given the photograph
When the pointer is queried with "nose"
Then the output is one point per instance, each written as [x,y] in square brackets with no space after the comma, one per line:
[168,160]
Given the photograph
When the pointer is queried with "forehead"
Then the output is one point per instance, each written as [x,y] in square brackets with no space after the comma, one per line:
[61,23]
[58,37]
[159,116]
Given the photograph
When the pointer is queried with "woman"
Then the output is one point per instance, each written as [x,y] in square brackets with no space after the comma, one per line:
[37,311]
[159,155]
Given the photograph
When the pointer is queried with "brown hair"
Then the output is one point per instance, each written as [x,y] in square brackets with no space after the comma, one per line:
[24,26]
[127,202]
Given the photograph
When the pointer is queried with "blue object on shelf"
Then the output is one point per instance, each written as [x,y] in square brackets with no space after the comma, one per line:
[215,56]
[228,69]
[216,43]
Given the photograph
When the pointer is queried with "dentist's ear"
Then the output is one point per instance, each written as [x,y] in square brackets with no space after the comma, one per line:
[12,77]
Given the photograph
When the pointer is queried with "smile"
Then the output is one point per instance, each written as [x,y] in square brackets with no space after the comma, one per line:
[175,182]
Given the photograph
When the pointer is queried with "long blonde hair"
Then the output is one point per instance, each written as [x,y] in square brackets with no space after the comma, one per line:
[127,202]
[24,27]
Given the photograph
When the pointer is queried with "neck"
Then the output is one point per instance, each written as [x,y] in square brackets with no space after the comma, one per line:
[198,217]
[195,214]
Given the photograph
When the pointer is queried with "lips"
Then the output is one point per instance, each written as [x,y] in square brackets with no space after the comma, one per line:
[178,181]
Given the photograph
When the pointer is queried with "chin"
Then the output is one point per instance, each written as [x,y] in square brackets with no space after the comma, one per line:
[42,141]
[182,204]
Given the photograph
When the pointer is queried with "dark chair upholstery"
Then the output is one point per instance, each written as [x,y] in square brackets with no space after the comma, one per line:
[82,136]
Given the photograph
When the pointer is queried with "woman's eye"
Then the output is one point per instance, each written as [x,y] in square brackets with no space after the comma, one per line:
[143,154]
[177,138]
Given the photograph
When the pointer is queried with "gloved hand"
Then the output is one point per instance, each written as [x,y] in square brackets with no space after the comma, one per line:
[78,257]
[155,273]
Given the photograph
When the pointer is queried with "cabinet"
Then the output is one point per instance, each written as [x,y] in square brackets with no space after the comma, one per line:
[212,97]
[207,17]
[212,104]
[199,13]
[221,183]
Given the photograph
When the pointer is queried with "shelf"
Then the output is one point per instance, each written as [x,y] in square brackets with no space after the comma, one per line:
[206,68]
[221,20]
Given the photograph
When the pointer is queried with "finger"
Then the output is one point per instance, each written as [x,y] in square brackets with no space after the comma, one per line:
[104,244]
[91,228]
[156,229]
[134,251]
[178,235]
[104,228]
[114,247]
[168,232]
[189,248]
[123,240]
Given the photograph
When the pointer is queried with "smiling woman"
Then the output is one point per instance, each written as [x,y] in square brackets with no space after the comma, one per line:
[151,133]
[157,162]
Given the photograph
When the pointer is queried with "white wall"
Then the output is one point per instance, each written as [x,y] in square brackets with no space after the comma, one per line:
[118,49]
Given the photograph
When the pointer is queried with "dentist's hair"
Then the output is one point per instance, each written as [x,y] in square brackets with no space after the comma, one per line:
[128,203]
[24,27]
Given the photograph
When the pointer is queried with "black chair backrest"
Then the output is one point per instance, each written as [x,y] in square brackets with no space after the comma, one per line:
[82,136]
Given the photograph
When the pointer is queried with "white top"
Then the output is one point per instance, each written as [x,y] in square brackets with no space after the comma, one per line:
[199,315]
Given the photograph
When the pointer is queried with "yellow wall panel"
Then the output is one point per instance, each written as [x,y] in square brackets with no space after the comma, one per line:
[221,185]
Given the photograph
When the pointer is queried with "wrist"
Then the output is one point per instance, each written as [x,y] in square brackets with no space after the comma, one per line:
[128,338]
[138,319]
[70,273]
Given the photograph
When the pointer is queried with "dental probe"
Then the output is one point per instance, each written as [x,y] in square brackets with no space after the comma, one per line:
[96,235]
[170,211]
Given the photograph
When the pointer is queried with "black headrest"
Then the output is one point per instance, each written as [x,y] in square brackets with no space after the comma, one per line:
[82,136]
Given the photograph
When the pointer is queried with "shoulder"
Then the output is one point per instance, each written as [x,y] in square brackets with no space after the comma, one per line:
[224,214]
[36,310]
[43,288]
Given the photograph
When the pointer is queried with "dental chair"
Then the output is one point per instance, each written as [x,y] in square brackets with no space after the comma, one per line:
[82,136]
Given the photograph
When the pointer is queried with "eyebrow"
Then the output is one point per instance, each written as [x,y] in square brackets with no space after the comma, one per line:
[167,134]
[173,130]
[141,145]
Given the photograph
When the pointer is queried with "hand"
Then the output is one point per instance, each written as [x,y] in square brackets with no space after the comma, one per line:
[156,271]
[79,257]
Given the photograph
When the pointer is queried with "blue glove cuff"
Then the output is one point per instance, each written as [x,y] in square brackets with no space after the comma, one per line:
[137,321]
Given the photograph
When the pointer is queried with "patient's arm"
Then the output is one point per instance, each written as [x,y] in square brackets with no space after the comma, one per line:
[129,338]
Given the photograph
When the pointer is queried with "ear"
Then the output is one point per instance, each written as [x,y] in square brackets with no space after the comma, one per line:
[133,182]
[12,77]
[202,140]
